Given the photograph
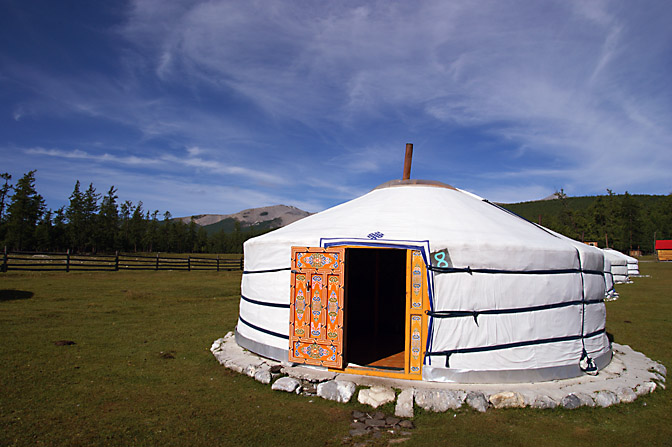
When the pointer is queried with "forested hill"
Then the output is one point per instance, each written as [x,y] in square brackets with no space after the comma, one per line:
[625,221]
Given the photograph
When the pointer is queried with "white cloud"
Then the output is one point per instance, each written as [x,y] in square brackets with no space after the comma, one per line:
[164,161]
[575,92]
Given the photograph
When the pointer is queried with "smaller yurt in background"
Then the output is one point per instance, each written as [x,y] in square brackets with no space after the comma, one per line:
[610,292]
[633,266]
[619,265]
[632,263]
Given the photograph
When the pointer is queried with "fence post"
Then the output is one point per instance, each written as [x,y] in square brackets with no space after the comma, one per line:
[116,261]
[157,261]
[67,261]
[189,263]
[4,261]
[217,262]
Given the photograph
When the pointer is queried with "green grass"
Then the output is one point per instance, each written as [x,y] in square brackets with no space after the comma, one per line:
[141,372]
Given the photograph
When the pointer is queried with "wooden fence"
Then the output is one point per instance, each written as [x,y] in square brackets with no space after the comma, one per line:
[69,262]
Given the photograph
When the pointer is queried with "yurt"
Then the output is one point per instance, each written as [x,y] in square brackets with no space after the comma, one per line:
[419,280]
[633,263]
[609,291]
[619,265]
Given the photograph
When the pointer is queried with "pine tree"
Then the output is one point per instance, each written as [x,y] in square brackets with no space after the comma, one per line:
[4,192]
[89,216]
[108,221]
[60,240]
[136,227]
[23,213]
[124,236]
[44,232]
[75,215]
[631,224]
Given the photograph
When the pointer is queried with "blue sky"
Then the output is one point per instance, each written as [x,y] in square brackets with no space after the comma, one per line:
[216,106]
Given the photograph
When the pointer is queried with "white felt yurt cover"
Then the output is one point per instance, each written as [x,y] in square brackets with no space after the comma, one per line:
[535,301]
[632,263]
[619,265]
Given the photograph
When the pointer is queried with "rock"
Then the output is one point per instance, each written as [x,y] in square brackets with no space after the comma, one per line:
[233,365]
[357,432]
[507,399]
[378,415]
[338,390]
[309,388]
[376,396]
[391,421]
[645,388]
[358,414]
[660,369]
[358,426]
[276,369]
[250,370]
[625,394]
[586,399]
[407,424]
[606,398]
[543,402]
[263,376]
[404,407]
[438,400]
[571,401]
[477,401]
[375,422]
[287,384]
[217,345]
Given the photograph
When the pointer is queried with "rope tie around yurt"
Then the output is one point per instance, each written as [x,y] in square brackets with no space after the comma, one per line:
[519,344]
[586,363]
[264,303]
[471,271]
[250,272]
[261,329]
[476,313]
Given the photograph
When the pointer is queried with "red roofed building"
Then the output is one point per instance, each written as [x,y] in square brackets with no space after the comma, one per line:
[664,249]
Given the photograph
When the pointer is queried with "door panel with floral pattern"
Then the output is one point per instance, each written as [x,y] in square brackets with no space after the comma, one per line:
[316,306]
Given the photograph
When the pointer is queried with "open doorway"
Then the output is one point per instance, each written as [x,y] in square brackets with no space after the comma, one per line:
[376,307]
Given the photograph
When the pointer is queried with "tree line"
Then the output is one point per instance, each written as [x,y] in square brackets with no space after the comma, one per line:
[620,221]
[98,223]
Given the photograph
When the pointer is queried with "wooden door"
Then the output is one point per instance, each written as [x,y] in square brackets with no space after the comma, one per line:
[316,306]
[416,318]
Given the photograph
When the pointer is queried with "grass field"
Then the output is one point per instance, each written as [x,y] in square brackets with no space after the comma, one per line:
[140,371]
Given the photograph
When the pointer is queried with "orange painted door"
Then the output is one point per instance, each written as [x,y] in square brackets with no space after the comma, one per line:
[316,306]
[416,319]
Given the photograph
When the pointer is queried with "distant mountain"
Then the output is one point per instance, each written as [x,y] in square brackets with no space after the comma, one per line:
[264,218]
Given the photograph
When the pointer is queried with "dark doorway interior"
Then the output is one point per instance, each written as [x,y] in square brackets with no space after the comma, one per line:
[376,307]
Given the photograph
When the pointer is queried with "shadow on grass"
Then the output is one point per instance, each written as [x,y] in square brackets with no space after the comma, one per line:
[610,336]
[11,295]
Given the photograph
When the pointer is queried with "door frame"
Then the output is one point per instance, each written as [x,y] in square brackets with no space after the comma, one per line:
[416,320]
[426,287]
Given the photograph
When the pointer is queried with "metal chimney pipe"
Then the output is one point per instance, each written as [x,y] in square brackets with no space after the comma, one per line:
[407,161]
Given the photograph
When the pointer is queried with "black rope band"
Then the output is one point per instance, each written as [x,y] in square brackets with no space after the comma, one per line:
[518,344]
[249,272]
[264,303]
[476,313]
[261,329]
[512,272]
